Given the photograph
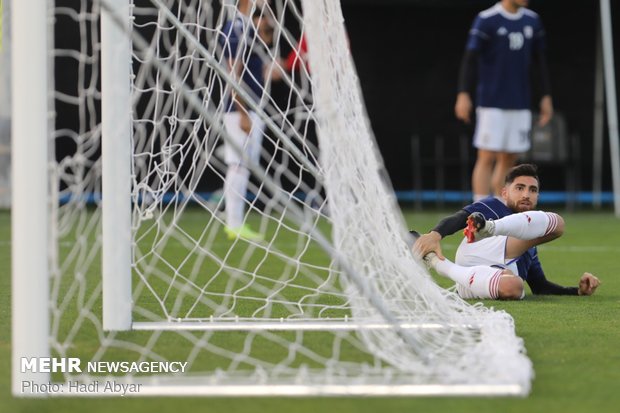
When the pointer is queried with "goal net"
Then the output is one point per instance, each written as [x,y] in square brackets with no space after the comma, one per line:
[217,200]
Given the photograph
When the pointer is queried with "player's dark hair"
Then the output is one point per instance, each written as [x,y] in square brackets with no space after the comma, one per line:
[526,169]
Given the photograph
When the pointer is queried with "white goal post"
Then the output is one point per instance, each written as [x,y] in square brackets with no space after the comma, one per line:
[276,264]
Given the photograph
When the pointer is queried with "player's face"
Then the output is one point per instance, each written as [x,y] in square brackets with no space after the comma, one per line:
[522,194]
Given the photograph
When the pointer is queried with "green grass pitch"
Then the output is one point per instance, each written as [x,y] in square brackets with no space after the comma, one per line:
[574,342]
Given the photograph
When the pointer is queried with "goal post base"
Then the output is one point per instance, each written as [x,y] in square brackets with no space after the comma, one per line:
[291,325]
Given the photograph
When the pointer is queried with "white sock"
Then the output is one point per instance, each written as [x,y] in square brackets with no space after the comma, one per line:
[235,188]
[480,281]
[526,225]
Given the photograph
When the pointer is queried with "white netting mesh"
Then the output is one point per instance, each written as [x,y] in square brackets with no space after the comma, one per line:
[189,271]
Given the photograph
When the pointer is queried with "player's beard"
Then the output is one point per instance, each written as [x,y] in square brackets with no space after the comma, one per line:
[521,205]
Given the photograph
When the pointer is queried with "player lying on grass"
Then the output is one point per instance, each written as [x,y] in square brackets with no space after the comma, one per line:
[504,254]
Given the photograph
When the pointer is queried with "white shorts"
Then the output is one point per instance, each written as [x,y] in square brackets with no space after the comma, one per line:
[251,144]
[502,130]
[488,251]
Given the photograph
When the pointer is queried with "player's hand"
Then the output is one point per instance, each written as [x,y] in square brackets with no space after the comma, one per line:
[588,284]
[428,243]
[463,107]
[546,110]
[245,122]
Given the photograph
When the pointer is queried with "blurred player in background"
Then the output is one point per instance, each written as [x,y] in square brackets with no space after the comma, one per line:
[497,265]
[502,43]
[244,39]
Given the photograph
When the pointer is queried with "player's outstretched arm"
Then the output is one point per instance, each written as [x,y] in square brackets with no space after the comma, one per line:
[540,285]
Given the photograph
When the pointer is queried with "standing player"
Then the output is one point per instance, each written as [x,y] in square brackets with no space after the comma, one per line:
[241,40]
[502,43]
[496,266]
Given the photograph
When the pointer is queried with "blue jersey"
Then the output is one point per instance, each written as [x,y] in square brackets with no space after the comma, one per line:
[239,42]
[528,265]
[505,43]
[490,207]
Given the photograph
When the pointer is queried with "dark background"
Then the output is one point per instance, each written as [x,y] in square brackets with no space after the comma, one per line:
[408,52]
